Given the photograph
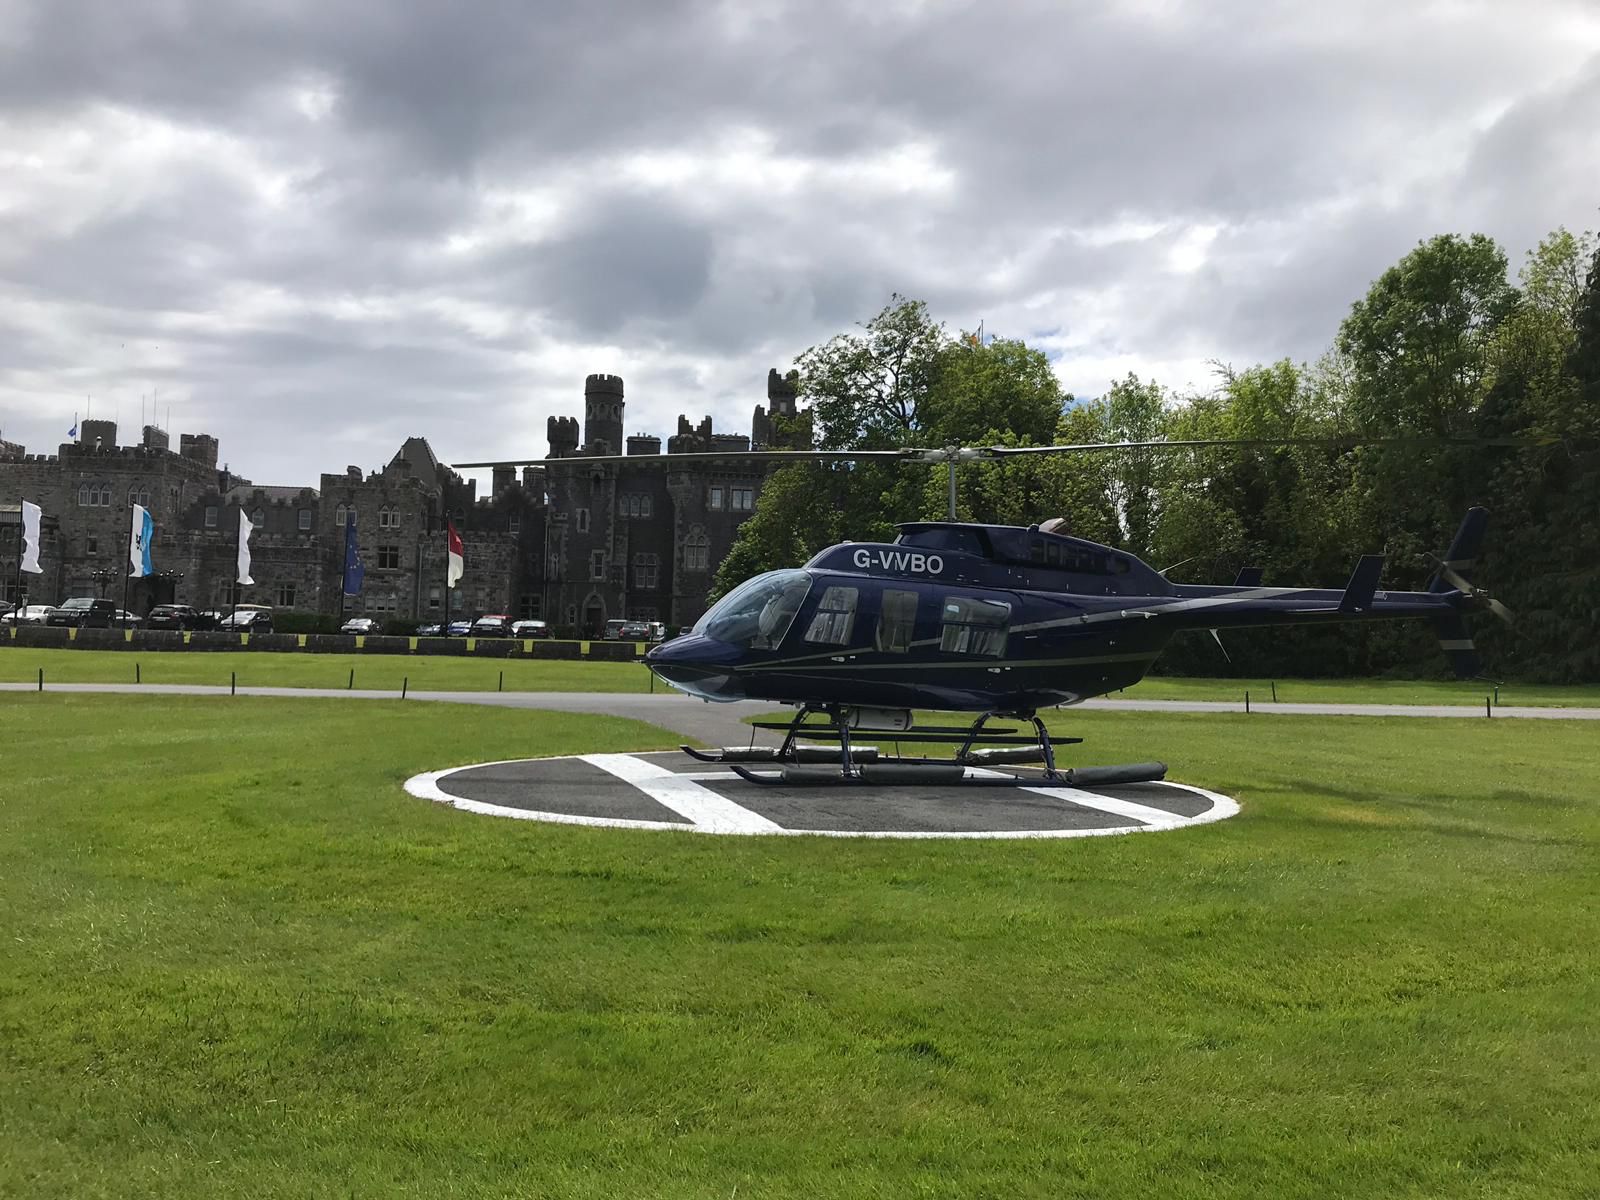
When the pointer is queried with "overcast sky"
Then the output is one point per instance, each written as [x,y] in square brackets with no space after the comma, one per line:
[316,227]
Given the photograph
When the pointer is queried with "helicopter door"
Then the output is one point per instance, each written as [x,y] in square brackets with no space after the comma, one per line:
[835,617]
[897,621]
[972,626]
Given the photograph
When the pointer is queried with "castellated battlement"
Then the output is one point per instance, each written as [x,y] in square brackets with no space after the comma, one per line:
[563,435]
[201,447]
[606,385]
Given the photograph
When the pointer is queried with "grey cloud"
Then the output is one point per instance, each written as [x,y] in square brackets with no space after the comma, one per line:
[1320,142]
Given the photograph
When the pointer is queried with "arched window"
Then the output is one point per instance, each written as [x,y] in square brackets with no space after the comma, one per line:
[85,497]
[340,515]
[105,496]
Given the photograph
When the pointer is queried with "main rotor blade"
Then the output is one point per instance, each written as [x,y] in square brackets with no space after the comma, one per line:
[942,454]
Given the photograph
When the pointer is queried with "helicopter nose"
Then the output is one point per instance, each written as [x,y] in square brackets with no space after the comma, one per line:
[699,665]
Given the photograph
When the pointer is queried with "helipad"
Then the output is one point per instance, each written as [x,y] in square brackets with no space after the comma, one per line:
[670,791]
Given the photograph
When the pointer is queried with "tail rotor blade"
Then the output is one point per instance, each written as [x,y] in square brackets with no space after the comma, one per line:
[1501,611]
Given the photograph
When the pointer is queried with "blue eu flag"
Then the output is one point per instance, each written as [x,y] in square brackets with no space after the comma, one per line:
[354,572]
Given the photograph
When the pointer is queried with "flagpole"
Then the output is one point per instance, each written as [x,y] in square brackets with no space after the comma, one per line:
[16,617]
[238,538]
[444,626]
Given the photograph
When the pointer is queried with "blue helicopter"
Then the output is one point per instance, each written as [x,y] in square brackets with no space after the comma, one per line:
[997,620]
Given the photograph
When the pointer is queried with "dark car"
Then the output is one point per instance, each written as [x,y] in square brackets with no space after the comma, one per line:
[635,631]
[85,612]
[458,629]
[361,625]
[174,616]
[531,629]
[247,620]
[492,625]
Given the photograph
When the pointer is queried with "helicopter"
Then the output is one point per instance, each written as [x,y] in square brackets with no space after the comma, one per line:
[1000,621]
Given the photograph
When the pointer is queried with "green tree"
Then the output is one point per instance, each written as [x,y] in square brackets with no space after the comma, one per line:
[867,390]
[982,393]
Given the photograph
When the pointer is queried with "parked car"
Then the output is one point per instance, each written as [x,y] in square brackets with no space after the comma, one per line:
[361,625]
[31,614]
[531,629]
[458,629]
[84,612]
[428,630]
[174,616]
[126,618]
[613,629]
[247,620]
[635,631]
[658,631]
[492,625]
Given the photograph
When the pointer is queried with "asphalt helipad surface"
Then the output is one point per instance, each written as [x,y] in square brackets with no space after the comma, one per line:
[670,791]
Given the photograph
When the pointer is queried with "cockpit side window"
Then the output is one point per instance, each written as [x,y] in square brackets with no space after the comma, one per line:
[972,626]
[897,621]
[835,617]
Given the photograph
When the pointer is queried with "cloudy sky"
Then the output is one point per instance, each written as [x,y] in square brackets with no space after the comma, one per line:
[315,227]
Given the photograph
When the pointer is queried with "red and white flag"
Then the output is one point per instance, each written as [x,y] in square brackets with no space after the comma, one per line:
[458,557]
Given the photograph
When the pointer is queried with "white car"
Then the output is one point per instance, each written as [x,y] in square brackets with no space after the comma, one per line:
[32,614]
[360,625]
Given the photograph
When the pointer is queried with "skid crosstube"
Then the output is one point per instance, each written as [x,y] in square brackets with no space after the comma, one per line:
[867,764]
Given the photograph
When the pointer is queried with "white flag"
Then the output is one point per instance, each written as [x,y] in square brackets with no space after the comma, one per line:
[244,548]
[139,539]
[30,538]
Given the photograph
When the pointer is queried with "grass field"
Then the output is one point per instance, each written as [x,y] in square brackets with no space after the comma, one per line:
[454,674]
[240,961]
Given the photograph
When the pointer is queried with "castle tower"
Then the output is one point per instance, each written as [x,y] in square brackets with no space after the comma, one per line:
[602,414]
[563,435]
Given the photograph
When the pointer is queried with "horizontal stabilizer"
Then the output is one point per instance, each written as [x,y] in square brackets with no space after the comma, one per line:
[1248,577]
[1457,645]
[1363,584]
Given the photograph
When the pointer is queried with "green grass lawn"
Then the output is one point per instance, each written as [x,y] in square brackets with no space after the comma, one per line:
[239,960]
[443,673]
[262,668]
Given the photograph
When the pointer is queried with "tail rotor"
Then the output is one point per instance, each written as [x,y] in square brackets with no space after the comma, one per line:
[1454,639]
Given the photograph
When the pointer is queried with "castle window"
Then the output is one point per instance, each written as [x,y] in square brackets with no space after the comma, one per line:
[433,597]
[84,498]
[644,506]
[211,516]
[91,545]
[258,518]
[646,571]
[340,515]
[741,499]
[716,497]
[597,564]
[305,519]
[633,506]
[388,518]
[285,595]
[514,523]
[696,552]
[528,607]
[388,558]
[583,520]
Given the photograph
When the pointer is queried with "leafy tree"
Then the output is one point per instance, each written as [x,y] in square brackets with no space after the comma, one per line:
[867,390]
[981,393]
[1419,343]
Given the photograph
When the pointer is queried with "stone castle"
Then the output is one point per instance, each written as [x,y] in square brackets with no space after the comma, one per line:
[635,536]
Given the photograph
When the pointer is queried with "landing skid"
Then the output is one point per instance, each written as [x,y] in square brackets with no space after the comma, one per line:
[971,766]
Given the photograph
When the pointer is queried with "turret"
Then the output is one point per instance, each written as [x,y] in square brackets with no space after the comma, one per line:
[201,447]
[98,435]
[563,435]
[602,414]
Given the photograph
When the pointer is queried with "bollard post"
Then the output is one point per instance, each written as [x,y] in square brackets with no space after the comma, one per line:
[41,679]
[1247,701]
[136,677]
[404,681]
[652,681]
[501,686]
[1487,711]
[233,683]
[352,683]
[1274,691]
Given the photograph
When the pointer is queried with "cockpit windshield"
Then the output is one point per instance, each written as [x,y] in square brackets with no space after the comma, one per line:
[757,613]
